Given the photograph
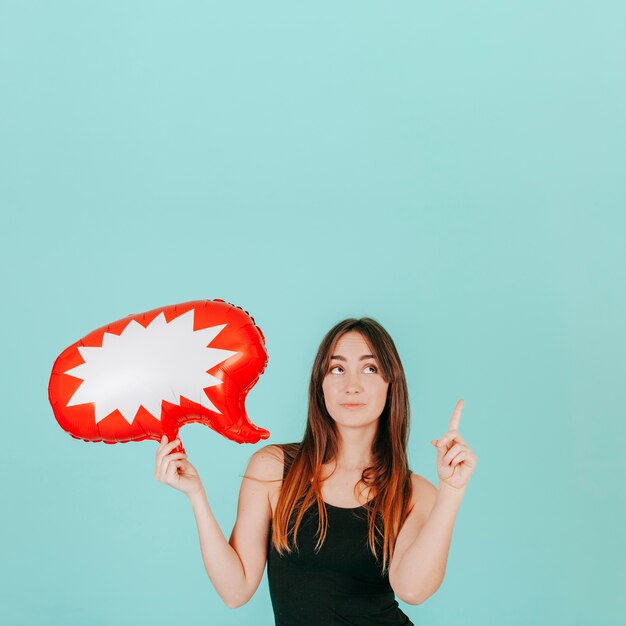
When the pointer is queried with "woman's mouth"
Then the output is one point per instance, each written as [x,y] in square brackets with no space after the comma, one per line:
[349,405]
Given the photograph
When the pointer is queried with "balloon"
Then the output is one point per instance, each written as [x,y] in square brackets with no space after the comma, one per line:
[148,374]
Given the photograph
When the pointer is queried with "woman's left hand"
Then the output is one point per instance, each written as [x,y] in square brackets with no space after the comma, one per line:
[455,459]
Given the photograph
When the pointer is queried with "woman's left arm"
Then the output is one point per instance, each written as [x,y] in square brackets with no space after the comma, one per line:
[419,562]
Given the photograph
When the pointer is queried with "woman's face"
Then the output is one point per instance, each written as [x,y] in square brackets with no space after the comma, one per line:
[354,378]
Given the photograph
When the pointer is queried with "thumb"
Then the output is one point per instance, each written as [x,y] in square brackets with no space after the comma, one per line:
[440,451]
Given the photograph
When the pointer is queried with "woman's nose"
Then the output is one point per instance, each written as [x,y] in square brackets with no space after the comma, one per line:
[353,383]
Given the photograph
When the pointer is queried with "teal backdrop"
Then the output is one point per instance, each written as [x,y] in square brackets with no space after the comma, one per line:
[454,170]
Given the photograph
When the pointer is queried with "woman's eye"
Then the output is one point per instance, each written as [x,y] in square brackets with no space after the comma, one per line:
[373,367]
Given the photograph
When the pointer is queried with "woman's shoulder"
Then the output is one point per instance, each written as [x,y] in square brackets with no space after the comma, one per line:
[268,462]
[424,493]
[421,483]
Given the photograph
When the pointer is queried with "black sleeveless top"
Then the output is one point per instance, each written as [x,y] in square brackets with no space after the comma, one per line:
[341,584]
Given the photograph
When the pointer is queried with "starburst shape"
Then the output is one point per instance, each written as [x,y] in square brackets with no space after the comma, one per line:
[145,365]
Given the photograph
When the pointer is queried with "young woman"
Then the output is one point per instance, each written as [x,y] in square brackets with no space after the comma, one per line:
[340,520]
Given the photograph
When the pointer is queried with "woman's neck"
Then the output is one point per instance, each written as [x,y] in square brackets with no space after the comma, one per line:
[355,449]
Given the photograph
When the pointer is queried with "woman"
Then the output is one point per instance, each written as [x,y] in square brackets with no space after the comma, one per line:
[339,518]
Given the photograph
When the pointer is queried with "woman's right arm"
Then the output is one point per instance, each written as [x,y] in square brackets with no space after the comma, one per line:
[236,567]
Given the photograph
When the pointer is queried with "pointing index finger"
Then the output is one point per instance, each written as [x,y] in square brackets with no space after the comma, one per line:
[456,415]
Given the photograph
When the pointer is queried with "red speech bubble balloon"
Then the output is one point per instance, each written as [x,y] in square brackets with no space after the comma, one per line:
[147,375]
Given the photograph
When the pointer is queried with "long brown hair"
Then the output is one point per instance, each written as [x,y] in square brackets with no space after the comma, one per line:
[388,478]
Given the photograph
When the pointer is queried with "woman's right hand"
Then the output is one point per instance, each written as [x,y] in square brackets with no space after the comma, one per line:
[175,470]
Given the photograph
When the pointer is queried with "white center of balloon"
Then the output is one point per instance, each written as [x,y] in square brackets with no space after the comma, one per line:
[144,366]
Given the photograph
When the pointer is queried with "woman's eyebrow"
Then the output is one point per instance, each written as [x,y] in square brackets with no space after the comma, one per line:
[361,358]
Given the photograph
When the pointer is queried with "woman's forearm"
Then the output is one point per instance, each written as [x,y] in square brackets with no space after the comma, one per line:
[221,561]
[423,565]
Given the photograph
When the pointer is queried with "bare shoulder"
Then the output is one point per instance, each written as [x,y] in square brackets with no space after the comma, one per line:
[266,463]
[422,484]
[424,494]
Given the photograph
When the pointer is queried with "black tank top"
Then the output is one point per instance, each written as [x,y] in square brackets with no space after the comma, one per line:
[341,584]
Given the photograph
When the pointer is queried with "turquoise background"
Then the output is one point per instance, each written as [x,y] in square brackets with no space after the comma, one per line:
[455,170]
